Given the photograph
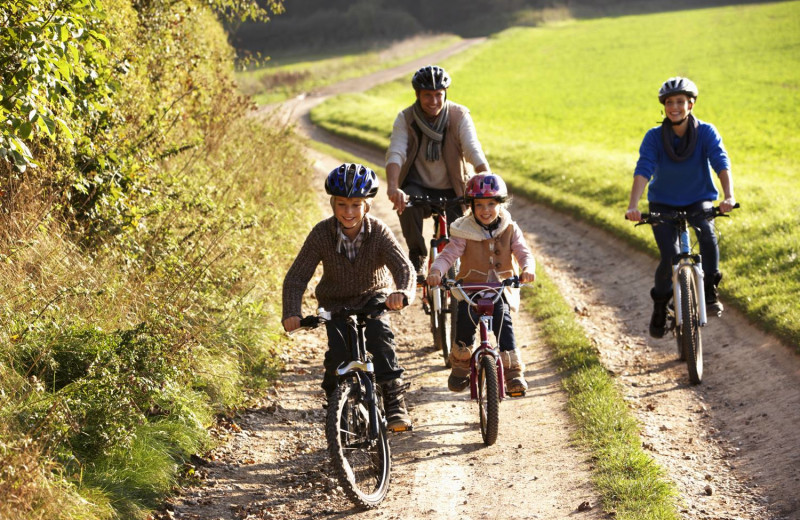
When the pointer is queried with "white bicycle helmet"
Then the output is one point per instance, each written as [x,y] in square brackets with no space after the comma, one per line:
[677,85]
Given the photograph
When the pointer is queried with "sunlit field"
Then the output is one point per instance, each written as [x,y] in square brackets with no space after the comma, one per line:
[282,78]
[561,111]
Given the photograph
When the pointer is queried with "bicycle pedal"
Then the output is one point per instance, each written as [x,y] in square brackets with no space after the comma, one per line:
[516,394]
[401,429]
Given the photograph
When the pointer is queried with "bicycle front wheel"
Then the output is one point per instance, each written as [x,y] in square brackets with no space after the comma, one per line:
[689,335]
[444,326]
[488,399]
[362,463]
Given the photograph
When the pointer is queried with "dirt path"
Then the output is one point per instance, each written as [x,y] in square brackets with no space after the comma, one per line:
[732,445]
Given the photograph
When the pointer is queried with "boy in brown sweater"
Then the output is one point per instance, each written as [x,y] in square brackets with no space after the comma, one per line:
[360,259]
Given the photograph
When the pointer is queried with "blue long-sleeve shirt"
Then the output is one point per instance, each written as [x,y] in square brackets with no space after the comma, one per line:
[682,183]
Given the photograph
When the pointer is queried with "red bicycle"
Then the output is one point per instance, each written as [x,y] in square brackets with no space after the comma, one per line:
[486,366]
[437,302]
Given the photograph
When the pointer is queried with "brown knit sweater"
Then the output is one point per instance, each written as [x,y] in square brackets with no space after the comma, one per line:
[344,283]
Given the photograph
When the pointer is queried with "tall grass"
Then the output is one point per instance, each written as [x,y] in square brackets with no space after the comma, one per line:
[564,117]
[126,330]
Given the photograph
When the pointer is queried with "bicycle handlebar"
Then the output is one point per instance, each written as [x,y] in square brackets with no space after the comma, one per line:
[370,311]
[475,288]
[672,216]
[440,204]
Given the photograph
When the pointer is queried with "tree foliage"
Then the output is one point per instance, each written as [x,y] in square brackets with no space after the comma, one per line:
[76,87]
[53,68]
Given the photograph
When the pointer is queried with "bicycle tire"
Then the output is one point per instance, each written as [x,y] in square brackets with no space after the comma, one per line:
[488,399]
[445,326]
[691,342]
[363,466]
[678,339]
[436,317]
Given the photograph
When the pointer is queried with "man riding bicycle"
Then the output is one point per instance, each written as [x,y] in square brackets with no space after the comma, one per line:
[432,140]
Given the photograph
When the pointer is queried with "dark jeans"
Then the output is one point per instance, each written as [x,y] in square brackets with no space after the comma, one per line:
[666,235]
[501,324]
[379,341]
[412,218]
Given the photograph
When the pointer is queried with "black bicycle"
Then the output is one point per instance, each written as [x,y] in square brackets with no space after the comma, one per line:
[436,302]
[687,313]
[355,425]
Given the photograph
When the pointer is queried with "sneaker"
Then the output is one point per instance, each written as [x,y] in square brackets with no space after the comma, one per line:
[714,308]
[713,305]
[397,418]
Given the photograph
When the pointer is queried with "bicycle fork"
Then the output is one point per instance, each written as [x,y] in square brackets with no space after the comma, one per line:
[685,258]
[485,349]
[366,388]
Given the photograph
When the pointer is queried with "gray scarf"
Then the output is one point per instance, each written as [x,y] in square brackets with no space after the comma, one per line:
[435,131]
[687,142]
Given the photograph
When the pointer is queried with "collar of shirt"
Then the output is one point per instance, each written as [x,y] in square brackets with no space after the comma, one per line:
[347,246]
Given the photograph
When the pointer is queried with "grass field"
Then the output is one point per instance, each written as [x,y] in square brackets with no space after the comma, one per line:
[283,78]
[563,117]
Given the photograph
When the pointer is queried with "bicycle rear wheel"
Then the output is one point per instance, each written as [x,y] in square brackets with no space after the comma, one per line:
[488,399]
[689,334]
[362,464]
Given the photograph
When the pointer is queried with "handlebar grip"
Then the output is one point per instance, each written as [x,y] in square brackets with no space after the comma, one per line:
[310,321]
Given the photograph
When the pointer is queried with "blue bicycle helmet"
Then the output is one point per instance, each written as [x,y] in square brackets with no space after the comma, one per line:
[352,180]
[430,78]
[677,85]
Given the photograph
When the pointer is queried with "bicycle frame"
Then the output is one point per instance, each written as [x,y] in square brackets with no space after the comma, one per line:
[435,301]
[484,305]
[363,370]
[441,238]
[360,368]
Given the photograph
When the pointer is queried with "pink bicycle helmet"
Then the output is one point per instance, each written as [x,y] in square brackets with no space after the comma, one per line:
[486,186]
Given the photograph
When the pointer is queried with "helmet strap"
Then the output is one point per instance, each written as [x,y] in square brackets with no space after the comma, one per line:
[491,227]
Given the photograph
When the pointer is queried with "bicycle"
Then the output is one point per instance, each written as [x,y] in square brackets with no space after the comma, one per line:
[437,302]
[687,313]
[355,423]
[486,366]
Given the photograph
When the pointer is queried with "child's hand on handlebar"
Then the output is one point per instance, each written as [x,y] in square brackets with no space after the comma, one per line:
[527,277]
[396,301]
[434,278]
[291,323]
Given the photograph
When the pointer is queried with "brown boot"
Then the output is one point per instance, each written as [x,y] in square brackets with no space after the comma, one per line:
[513,372]
[394,403]
[459,363]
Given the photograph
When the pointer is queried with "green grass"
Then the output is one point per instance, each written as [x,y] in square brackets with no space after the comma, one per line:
[629,481]
[282,79]
[563,119]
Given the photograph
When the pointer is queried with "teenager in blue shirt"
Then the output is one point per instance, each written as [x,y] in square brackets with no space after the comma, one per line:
[676,160]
